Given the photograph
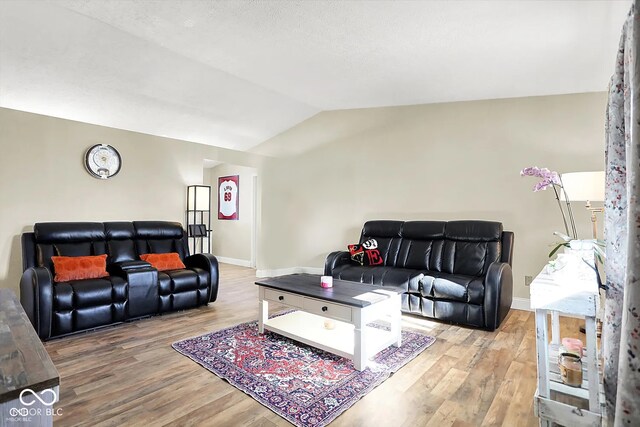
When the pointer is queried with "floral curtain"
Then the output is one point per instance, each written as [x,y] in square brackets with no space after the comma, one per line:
[621,325]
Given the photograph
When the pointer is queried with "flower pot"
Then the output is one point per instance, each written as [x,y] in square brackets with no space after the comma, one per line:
[582,249]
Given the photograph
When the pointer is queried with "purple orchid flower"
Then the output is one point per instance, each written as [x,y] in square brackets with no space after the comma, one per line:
[531,171]
[543,185]
[551,179]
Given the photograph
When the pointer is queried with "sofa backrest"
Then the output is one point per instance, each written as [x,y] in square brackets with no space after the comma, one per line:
[456,247]
[387,234]
[122,241]
[471,246]
[422,244]
[120,238]
[66,239]
[159,237]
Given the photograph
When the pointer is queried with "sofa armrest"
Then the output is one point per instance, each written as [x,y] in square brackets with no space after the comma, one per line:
[334,260]
[36,297]
[208,263]
[498,294]
[143,296]
[507,247]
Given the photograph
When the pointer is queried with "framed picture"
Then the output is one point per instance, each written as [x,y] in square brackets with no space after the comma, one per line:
[228,197]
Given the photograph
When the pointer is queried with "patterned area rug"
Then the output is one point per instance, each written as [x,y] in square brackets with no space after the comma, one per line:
[304,385]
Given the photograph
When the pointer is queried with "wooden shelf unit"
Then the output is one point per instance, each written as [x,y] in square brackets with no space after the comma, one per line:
[572,291]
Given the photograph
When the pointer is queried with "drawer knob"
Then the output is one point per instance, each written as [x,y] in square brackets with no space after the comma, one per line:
[281,298]
[325,308]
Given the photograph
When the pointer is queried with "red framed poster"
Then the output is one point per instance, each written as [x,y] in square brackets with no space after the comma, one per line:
[228,197]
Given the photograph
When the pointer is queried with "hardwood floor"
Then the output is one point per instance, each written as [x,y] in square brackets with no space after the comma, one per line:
[130,375]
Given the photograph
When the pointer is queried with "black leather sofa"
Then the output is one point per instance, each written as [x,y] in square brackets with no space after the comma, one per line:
[456,271]
[132,290]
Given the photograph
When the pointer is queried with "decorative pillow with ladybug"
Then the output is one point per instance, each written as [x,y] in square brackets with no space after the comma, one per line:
[366,253]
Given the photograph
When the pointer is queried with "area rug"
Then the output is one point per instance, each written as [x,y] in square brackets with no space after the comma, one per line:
[304,385]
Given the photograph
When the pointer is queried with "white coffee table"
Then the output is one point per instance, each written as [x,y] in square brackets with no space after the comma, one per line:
[350,305]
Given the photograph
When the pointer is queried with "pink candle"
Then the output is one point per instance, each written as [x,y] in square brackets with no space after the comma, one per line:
[326,281]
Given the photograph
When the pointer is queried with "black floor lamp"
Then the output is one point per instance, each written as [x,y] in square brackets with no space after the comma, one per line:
[198,217]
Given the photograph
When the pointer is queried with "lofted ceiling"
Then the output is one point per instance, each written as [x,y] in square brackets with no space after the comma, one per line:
[236,73]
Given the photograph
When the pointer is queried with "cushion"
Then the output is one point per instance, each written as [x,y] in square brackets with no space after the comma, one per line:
[121,250]
[73,249]
[405,278]
[162,262]
[366,253]
[80,267]
[161,246]
[382,228]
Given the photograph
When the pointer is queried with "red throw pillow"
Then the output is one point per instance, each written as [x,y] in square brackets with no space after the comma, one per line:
[366,253]
[162,262]
[68,268]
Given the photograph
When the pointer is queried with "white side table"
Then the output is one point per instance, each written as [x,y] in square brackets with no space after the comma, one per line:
[572,290]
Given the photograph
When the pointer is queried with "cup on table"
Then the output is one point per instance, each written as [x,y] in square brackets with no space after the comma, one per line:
[326,281]
[329,324]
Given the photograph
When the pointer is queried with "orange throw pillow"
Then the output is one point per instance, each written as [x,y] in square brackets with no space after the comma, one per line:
[68,268]
[162,262]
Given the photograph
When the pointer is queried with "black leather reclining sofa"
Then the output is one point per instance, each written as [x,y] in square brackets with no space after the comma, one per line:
[134,289]
[456,271]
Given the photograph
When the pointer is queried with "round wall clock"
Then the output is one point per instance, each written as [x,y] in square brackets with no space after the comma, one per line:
[102,161]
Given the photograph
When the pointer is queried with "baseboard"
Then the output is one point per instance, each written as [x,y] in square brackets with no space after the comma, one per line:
[285,271]
[234,261]
[521,304]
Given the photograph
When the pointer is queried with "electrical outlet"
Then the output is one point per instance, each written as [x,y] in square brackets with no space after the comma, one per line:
[528,280]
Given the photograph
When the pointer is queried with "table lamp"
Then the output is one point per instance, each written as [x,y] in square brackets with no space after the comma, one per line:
[587,187]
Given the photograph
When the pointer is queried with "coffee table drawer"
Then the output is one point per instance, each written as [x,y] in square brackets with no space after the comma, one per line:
[324,308]
[284,297]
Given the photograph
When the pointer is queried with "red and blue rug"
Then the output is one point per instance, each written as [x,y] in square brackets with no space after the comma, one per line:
[304,385]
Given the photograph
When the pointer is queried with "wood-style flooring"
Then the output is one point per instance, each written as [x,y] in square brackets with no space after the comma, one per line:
[129,374]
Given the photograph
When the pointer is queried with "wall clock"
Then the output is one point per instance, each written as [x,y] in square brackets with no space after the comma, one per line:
[102,161]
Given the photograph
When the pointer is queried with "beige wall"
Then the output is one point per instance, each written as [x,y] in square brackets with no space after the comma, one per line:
[232,239]
[440,161]
[42,178]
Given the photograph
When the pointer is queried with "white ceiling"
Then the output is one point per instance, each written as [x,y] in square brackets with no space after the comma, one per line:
[236,73]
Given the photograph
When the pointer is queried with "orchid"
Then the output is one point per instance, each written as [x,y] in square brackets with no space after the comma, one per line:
[549,178]
[552,179]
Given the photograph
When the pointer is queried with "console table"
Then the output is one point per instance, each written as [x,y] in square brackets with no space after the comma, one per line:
[573,291]
[28,379]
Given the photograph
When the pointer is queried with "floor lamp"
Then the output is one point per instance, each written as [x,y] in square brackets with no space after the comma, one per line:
[198,217]
[586,187]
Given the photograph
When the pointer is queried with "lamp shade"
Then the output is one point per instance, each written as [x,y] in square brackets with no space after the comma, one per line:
[583,186]
[198,198]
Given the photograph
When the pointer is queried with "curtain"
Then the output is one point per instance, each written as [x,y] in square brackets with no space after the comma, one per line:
[621,323]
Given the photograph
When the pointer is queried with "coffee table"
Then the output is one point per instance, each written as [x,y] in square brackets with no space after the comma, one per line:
[352,307]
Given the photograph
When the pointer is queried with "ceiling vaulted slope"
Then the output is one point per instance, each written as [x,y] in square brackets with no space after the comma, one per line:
[235,74]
